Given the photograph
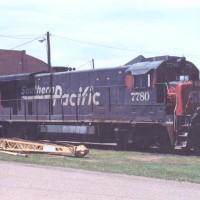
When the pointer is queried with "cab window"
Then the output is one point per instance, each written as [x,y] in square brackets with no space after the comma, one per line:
[142,81]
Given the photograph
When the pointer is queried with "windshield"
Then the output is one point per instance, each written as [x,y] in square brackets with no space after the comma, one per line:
[182,78]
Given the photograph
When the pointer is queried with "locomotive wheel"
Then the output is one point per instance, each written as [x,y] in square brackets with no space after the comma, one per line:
[21,131]
[13,131]
[169,149]
[122,141]
[185,150]
[197,150]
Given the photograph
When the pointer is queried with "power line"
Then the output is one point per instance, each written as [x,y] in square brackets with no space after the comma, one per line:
[90,62]
[25,43]
[101,45]
[20,36]
[117,48]
[83,42]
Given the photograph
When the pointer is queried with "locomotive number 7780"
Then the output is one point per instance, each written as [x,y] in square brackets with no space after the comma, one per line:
[140,96]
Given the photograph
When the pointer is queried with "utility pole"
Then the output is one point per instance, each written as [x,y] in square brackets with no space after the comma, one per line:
[51,78]
[48,51]
[92,63]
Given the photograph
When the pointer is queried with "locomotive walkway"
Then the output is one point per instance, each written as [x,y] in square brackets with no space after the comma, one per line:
[21,181]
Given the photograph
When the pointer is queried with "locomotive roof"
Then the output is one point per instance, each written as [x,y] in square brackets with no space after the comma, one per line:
[143,67]
[87,70]
[19,77]
[15,77]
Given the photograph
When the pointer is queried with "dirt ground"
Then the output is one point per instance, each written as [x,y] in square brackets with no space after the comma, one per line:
[24,181]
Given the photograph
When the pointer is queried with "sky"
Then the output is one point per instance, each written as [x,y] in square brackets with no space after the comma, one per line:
[112,32]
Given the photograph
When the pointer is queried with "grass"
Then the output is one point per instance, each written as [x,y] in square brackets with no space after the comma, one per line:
[169,167]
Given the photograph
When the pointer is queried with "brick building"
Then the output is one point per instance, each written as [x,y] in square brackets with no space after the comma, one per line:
[17,62]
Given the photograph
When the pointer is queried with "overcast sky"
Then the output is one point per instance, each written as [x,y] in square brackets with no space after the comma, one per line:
[82,30]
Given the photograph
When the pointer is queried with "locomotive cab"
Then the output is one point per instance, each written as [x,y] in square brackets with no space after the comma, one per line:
[160,89]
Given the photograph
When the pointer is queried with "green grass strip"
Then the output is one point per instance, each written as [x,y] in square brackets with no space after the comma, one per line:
[168,167]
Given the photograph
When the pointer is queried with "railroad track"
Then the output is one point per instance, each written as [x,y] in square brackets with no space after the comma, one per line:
[113,146]
[103,146]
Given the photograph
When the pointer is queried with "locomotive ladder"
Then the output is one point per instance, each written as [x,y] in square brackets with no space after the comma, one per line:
[35,147]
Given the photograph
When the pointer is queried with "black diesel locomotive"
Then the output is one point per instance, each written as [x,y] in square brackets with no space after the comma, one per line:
[148,102]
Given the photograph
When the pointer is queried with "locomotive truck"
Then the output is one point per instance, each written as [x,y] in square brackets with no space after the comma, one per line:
[147,102]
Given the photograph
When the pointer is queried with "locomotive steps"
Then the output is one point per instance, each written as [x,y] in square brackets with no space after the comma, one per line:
[183,136]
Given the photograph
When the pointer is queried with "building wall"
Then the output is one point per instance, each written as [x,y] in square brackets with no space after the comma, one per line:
[17,62]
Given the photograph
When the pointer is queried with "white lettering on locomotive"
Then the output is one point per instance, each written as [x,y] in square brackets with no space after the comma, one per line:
[140,96]
[83,97]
